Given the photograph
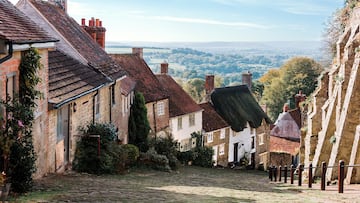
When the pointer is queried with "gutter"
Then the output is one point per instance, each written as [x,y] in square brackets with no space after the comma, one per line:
[10,53]
[58,105]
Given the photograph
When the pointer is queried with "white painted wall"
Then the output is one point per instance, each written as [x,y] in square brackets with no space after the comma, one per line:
[185,132]
[244,138]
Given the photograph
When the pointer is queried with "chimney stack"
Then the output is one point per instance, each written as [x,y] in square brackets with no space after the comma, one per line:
[164,68]
[209,84]
[300,97]
[138,51]
[247,79]
[286,107]
[95,30]
[59,3]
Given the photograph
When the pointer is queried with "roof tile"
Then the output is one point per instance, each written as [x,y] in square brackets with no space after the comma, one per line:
[211,119]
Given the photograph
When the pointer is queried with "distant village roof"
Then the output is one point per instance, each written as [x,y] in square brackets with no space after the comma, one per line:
[146,81]
[69,78]
[18,28]
[74,40]
[180,103]
[211,119]
[238,106]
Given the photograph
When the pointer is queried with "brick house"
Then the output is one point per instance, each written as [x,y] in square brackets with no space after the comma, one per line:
[17,35]
[216,133]
[185,115]
[156,98]
[94,88]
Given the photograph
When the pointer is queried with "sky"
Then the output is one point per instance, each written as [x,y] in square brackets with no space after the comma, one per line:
[208,20]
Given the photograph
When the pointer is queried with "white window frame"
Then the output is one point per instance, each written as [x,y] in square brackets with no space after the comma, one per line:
[97,106]
[222,134]
[222,149]
[179,123]
[261,138]
[160,109]
[192,119]
[210,137]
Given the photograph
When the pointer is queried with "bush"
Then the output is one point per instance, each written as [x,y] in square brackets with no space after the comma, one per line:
[166,146]
[154,160]
[131,152]
[185,157]
[204,157]
[87,158]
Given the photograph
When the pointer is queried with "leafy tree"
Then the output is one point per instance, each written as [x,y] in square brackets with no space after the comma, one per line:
[139,126]
[195,88]
[336,25]
[299,73]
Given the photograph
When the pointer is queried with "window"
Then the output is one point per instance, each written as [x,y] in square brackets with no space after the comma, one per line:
[160,108]
[222,134]
[60,134]
[97,106]
[261,139]
[210,137]
[112,88]
[252,142]
[10,85]
[222,149]
[192,119]
[179,127]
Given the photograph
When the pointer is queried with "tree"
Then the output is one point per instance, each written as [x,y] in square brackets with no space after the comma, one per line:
[195,88]
[299,73]
[336,25]
[139,126]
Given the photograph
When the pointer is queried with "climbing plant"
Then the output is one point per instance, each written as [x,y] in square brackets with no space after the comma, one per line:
[16,133]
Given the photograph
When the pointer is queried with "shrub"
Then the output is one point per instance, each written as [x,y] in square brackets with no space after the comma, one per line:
[166,146]
[131,152]
[87,158]
[154,160]
[203,157]
[185,157]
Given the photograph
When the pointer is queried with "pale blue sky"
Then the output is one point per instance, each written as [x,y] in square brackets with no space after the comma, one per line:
[208,20]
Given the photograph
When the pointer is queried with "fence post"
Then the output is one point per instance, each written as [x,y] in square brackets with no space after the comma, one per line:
[301,168]
[280,173]
[270,173]
[275,173]
[310,176]
[323,175]
[292,170]
[285,174]
[341,176]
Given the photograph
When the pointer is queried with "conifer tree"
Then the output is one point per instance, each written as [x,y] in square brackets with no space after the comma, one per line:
[139,126]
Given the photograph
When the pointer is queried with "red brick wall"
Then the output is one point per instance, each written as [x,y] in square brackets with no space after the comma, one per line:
[283,145]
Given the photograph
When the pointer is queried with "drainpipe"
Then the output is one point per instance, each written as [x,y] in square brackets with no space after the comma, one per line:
[154,114]
[10,53]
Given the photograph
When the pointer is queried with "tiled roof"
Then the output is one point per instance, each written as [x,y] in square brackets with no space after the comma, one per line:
[15,26]
[127,85]
[69,78]
[78,38]
[296,115]
[238,106]
[211,119]
[146,81]
[180,103]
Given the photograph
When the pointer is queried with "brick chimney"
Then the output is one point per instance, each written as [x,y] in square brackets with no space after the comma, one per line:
[209,84]
[59,3]
[300,97]
[95,30]
[138,51]
[246,79]
[164,68]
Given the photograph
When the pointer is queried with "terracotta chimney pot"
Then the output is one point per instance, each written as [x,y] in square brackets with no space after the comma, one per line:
[97,24]
[82,21]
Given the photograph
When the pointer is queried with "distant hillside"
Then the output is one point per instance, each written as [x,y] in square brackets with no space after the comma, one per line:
[227,59]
